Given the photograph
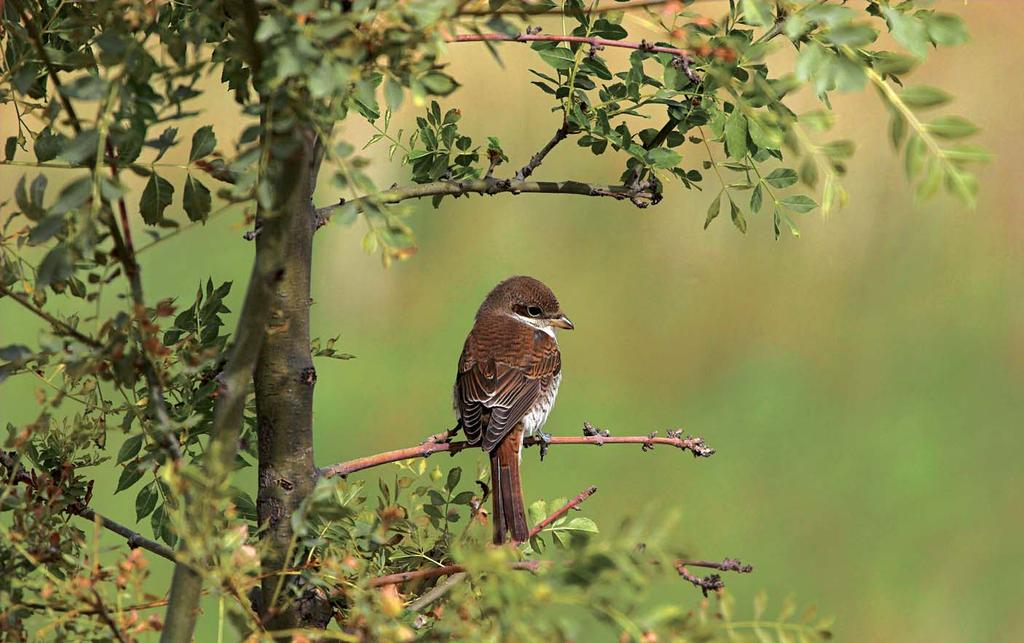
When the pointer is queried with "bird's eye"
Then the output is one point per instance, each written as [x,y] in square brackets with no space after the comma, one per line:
[533,311]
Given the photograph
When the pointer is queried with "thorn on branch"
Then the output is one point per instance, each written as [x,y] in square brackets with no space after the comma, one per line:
[682,62]
[711,582]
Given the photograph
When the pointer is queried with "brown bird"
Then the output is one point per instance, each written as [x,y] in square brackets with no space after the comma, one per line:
[508,378]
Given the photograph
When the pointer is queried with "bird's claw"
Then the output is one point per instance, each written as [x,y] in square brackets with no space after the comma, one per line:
[545,442]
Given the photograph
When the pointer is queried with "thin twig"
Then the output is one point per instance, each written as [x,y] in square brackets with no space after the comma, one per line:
[436,592]
[709,583]
[101,611]
[436,444]
[572,504]
[444,570]
[726,565]
[525,9]
[537,158]
[643,45]
[59,326]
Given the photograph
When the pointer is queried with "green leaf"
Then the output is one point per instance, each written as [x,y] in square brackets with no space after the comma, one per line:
[454,475]
[798,203]
[737,217]
[197,200]
[756,199]
[914,155]
[921,96]
[438,83]
[392,93]
[945,28]
[951,127]
[129,448]
[581,523]
[49,226]
[756,12]
[146,501]
[130,474]
[155,198]
[664,158]
[560,58]
[736,135]
[907,30]
[82,148]
[782,177]
[203,143]
[713,210]
[55,267]
[73,196]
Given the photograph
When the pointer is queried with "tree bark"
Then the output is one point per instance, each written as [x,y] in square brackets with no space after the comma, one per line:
[288,168]
[284,380]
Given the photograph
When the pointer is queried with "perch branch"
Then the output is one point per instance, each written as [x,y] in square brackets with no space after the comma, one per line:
[437,444]
[490,186]
[572,504]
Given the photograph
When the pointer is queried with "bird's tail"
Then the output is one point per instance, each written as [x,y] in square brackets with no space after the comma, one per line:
[508,512]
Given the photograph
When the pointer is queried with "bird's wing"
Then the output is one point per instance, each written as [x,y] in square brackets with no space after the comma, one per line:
[495,394]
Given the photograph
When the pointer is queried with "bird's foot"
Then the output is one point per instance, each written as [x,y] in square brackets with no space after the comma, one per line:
[545,442]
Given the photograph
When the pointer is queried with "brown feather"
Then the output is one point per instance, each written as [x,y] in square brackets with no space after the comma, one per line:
[507,380]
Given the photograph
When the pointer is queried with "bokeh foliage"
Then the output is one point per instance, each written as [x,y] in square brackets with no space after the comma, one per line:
[130,73]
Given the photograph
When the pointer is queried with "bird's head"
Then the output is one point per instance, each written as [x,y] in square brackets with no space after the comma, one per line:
[530,301]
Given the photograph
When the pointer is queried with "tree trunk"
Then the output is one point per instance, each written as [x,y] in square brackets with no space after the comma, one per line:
[284,379]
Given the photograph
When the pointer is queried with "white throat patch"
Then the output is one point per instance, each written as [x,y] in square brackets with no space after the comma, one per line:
[538,324]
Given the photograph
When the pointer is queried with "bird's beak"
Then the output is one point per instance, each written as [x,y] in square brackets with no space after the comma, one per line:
[562,322]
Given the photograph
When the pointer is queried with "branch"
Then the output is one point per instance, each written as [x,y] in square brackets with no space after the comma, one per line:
[711,582]
[572,504]
[489,186]
[61,327]
[18,474]
[727,565]
[436,592]
[599,43]
[437,444]
[134,538]
[537,158]
[445,570]
[526,9]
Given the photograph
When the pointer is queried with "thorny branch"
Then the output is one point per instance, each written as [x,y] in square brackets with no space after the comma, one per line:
[711,582]
[438,444]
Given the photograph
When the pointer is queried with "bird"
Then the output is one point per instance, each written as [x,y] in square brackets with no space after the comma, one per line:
[507,381]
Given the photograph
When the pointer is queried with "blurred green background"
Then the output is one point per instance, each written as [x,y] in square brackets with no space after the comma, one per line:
[862,384]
